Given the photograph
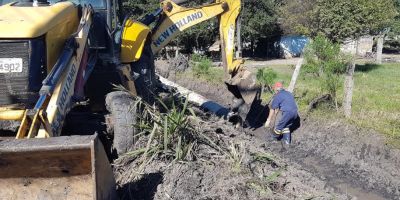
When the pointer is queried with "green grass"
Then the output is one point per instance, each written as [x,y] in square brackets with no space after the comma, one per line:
[215,75]
[376,100]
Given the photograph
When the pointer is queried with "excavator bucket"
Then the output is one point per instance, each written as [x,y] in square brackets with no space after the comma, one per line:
[243,85]
[67,167]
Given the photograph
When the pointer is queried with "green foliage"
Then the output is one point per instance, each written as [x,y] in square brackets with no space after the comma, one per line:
[197,57]
[139,8]
[167,134]
[259,19]
[339,19]
[297,16]
[274,176]
[266,77]
[395,26]
[265,157]
[236,154]
[324,56]
[202,65]
[325,61]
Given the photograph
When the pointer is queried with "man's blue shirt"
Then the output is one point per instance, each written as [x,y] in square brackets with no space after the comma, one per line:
[284,100]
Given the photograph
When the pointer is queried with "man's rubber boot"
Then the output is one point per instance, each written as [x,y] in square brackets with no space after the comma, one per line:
[286,139]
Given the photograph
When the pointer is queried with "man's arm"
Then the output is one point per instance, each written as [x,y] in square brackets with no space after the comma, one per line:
[272,112]
[273,109]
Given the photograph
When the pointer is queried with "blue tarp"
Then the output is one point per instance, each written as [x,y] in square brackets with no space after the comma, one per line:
[293,44]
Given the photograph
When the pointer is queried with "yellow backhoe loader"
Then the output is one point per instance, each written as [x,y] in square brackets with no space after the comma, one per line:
[58,61]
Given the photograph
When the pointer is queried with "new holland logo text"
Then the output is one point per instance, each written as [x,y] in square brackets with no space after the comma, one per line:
[174,27]
[64,101]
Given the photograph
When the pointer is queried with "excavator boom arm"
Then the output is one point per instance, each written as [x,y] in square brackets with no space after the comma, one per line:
[241,83]
[176,19]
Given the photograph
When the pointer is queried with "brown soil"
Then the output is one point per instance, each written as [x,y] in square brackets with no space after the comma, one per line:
[212,175]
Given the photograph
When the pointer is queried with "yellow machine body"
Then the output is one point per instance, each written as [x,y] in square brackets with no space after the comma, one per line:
[56,22]
[180,18]
[134,36]
[74,167]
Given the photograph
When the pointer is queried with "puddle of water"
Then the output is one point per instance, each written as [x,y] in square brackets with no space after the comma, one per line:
[358,192]
[343,186]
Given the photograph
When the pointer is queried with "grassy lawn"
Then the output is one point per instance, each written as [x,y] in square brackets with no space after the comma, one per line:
[215,75]
[376,102]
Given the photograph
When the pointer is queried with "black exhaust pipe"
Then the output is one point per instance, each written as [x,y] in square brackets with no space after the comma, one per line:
[179,1]
[43,2]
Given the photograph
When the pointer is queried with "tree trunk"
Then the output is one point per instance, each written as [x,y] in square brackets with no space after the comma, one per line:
[252,47]
[238,37]
[295,75]
[348,88]
[379,47]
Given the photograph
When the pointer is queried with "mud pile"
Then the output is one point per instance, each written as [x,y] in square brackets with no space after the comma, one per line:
[248,172]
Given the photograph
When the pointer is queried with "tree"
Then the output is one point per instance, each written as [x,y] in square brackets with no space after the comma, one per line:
[139,8]
[259,20]
[326,62]
[339,20]
[296,16]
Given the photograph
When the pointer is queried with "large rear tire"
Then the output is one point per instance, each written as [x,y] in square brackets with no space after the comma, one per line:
[121,121]
[121,104]
[145,75]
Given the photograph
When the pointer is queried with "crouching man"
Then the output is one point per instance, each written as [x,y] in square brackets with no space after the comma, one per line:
[287,120]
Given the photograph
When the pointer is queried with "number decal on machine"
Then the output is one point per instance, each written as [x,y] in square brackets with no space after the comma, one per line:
[9,65]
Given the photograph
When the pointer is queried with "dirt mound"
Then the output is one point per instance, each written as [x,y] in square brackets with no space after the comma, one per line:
[243,170]
[170,67]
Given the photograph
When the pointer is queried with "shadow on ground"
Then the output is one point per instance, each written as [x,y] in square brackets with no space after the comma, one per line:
[366,67]
[143,189]
[257,114]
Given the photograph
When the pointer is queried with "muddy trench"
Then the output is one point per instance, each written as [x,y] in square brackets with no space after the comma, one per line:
[354,162]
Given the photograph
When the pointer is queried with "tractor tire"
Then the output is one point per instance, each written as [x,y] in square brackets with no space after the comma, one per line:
[121,121]
[145,75]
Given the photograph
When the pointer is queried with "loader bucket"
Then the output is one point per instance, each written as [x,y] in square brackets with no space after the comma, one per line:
[68,167]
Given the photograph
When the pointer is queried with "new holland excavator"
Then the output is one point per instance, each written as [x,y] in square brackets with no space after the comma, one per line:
[59,55]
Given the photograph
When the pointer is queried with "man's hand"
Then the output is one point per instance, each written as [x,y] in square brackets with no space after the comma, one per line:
[267,123]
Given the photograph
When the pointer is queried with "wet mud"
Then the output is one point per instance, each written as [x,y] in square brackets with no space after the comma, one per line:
[261,174]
